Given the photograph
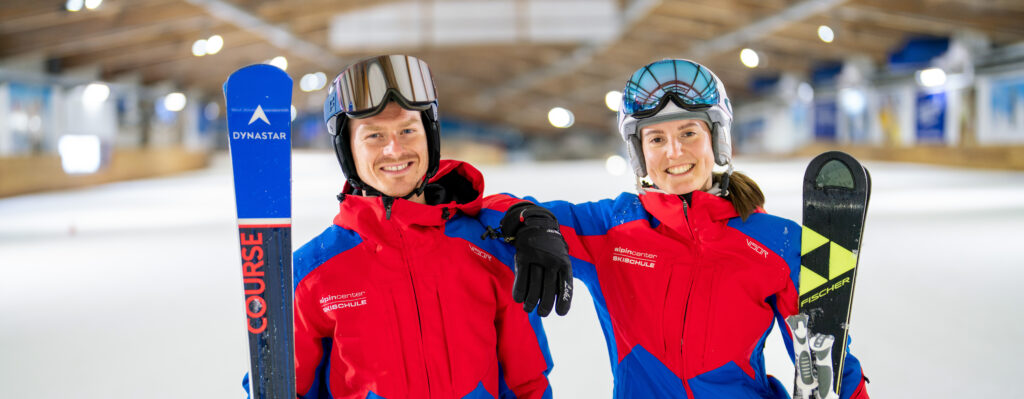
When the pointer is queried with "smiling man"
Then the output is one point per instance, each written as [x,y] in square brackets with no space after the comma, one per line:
[402,297]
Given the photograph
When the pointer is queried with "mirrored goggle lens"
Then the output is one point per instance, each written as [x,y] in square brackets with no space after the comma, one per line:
[364,85]
[692,84]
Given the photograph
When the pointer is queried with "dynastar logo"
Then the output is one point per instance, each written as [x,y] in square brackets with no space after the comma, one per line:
[632,257]
[757,248]
[259,135]
[259,115]
[252,262]
[479,252]
[344,301]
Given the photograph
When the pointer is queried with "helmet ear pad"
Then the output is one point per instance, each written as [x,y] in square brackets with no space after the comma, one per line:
[432,125]
[636,155]
[721,144]
[343,150]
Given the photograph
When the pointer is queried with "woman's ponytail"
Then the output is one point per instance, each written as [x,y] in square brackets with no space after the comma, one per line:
[744,193]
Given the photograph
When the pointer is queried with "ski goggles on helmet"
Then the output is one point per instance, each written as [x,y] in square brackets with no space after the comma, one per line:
[362,89]
[688,84]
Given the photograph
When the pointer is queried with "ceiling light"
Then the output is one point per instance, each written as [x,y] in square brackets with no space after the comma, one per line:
[560,117]
[280,62]
[931,77]
[199,48]
[214,44]
[93,4]
[612,100]
[95,94]
[74,5]
[321,80]
[826,34]
[175,102]
[616,165]
[312,81]
[749,58]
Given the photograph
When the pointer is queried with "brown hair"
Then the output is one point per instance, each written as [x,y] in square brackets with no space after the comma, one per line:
[744,193]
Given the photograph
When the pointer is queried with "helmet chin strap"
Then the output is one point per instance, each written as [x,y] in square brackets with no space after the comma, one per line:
[367,190]
[721,188]
[418,190]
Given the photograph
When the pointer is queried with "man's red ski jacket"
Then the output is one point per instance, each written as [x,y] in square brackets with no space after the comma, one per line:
[686,293]
[412,302]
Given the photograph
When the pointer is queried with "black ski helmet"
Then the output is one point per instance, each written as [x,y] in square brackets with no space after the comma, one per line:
[364,88]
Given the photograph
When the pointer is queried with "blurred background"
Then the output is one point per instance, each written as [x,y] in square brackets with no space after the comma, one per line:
[98,90]
[118,262]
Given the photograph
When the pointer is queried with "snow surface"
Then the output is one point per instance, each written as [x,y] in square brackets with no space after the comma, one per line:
[132,289]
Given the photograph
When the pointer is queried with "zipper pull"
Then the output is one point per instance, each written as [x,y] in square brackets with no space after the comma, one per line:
[388,202]
[686,207]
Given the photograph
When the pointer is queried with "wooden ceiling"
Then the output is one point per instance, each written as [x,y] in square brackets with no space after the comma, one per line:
[151,40]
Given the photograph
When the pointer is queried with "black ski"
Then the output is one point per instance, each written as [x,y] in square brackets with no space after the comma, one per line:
[258,101]
[836,192]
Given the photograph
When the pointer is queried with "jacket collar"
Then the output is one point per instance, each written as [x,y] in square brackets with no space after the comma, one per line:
[703,207]
[369,213]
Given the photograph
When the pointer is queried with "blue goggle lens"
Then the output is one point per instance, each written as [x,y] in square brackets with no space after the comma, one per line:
[691,84]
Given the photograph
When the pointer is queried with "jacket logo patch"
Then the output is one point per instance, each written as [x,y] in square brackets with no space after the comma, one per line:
[632,257]
[345,301]
[757,248]
[479,252]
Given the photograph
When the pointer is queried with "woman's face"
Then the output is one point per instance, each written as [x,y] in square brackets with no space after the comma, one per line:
[678,155]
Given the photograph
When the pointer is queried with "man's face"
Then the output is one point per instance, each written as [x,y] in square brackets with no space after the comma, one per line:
[390,149]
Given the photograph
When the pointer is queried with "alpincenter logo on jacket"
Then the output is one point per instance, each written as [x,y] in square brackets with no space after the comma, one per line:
[259,115]
[633,257]
[333,302]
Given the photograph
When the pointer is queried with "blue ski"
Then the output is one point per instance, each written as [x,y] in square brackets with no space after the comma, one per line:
[259,99]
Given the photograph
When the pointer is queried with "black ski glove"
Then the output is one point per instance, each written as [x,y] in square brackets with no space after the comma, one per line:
[543,269]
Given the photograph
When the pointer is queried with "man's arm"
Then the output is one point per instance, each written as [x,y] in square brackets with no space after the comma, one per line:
[523,354]
[546,245]
[312,348]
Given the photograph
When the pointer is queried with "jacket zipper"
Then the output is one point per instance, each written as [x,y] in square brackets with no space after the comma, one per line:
[416,301]
[689,292]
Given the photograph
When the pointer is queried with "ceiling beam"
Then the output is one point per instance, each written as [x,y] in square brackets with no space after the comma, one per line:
[277,36]
[754,31]
[92,34]
[576,59]
[927,23]
[163,46]
[724,42]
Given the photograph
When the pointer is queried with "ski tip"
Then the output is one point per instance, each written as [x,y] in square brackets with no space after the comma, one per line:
[261,70]
[836,169]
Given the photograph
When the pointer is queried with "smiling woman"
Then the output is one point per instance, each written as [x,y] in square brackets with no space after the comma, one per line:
[691,271]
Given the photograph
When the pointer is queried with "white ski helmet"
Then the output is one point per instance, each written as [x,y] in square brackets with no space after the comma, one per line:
[695,93]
